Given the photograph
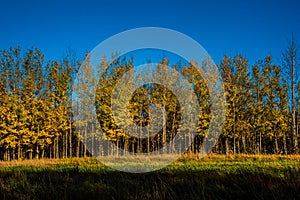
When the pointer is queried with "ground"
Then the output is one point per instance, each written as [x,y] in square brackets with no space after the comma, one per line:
[214,177]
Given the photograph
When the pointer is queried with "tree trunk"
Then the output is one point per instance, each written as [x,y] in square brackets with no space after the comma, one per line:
[244,143]
[238,146]
[164,135]
[37,151]
[57,148]
[78,147]
[85,138]
[234,146]
[226,146]
[117,146]
[276,144]
[284,144]
[19,151]
[66,144]
[30,154]
[260,146]
[148,141]
[63,145]
[293,107]
[70,142]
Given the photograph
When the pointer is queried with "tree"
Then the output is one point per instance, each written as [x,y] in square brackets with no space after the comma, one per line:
[291,64]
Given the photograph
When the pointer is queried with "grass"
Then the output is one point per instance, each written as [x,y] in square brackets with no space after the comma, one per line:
[213,177]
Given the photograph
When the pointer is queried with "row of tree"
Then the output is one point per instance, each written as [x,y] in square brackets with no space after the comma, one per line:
[36,118]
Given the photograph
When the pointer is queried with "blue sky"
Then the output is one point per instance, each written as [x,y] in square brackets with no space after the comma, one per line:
[252,28]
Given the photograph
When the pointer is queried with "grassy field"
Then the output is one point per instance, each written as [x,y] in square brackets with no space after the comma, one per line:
[214,177]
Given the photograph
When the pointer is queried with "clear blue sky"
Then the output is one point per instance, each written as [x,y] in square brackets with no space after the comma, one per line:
[253,28]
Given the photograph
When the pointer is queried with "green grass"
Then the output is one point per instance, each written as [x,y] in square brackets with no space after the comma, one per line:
[214,177]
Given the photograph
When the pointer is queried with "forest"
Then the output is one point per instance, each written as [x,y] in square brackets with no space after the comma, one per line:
[262,106]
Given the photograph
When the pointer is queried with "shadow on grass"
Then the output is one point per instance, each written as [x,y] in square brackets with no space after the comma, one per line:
[71,183]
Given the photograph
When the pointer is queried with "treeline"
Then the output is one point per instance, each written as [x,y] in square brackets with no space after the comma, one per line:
[36,119]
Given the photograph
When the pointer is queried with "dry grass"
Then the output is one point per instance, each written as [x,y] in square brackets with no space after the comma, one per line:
[94,162]
[45,162]
[253,156]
